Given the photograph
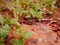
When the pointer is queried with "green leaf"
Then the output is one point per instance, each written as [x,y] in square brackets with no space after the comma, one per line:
[1,43]
[36,14]
[17,42]
[4,30]
[1,19]
[29,1]
[27,35]
[7,27]
[32,12]
[20,28]
[17,2]
[14,21]
[39,15]
[7,20]
[48,3]
[24,11]
[18,31]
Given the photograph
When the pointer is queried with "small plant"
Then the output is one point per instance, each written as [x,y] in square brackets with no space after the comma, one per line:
[20,7]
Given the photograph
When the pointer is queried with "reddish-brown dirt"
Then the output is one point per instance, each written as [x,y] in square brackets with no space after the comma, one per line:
[43,34]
